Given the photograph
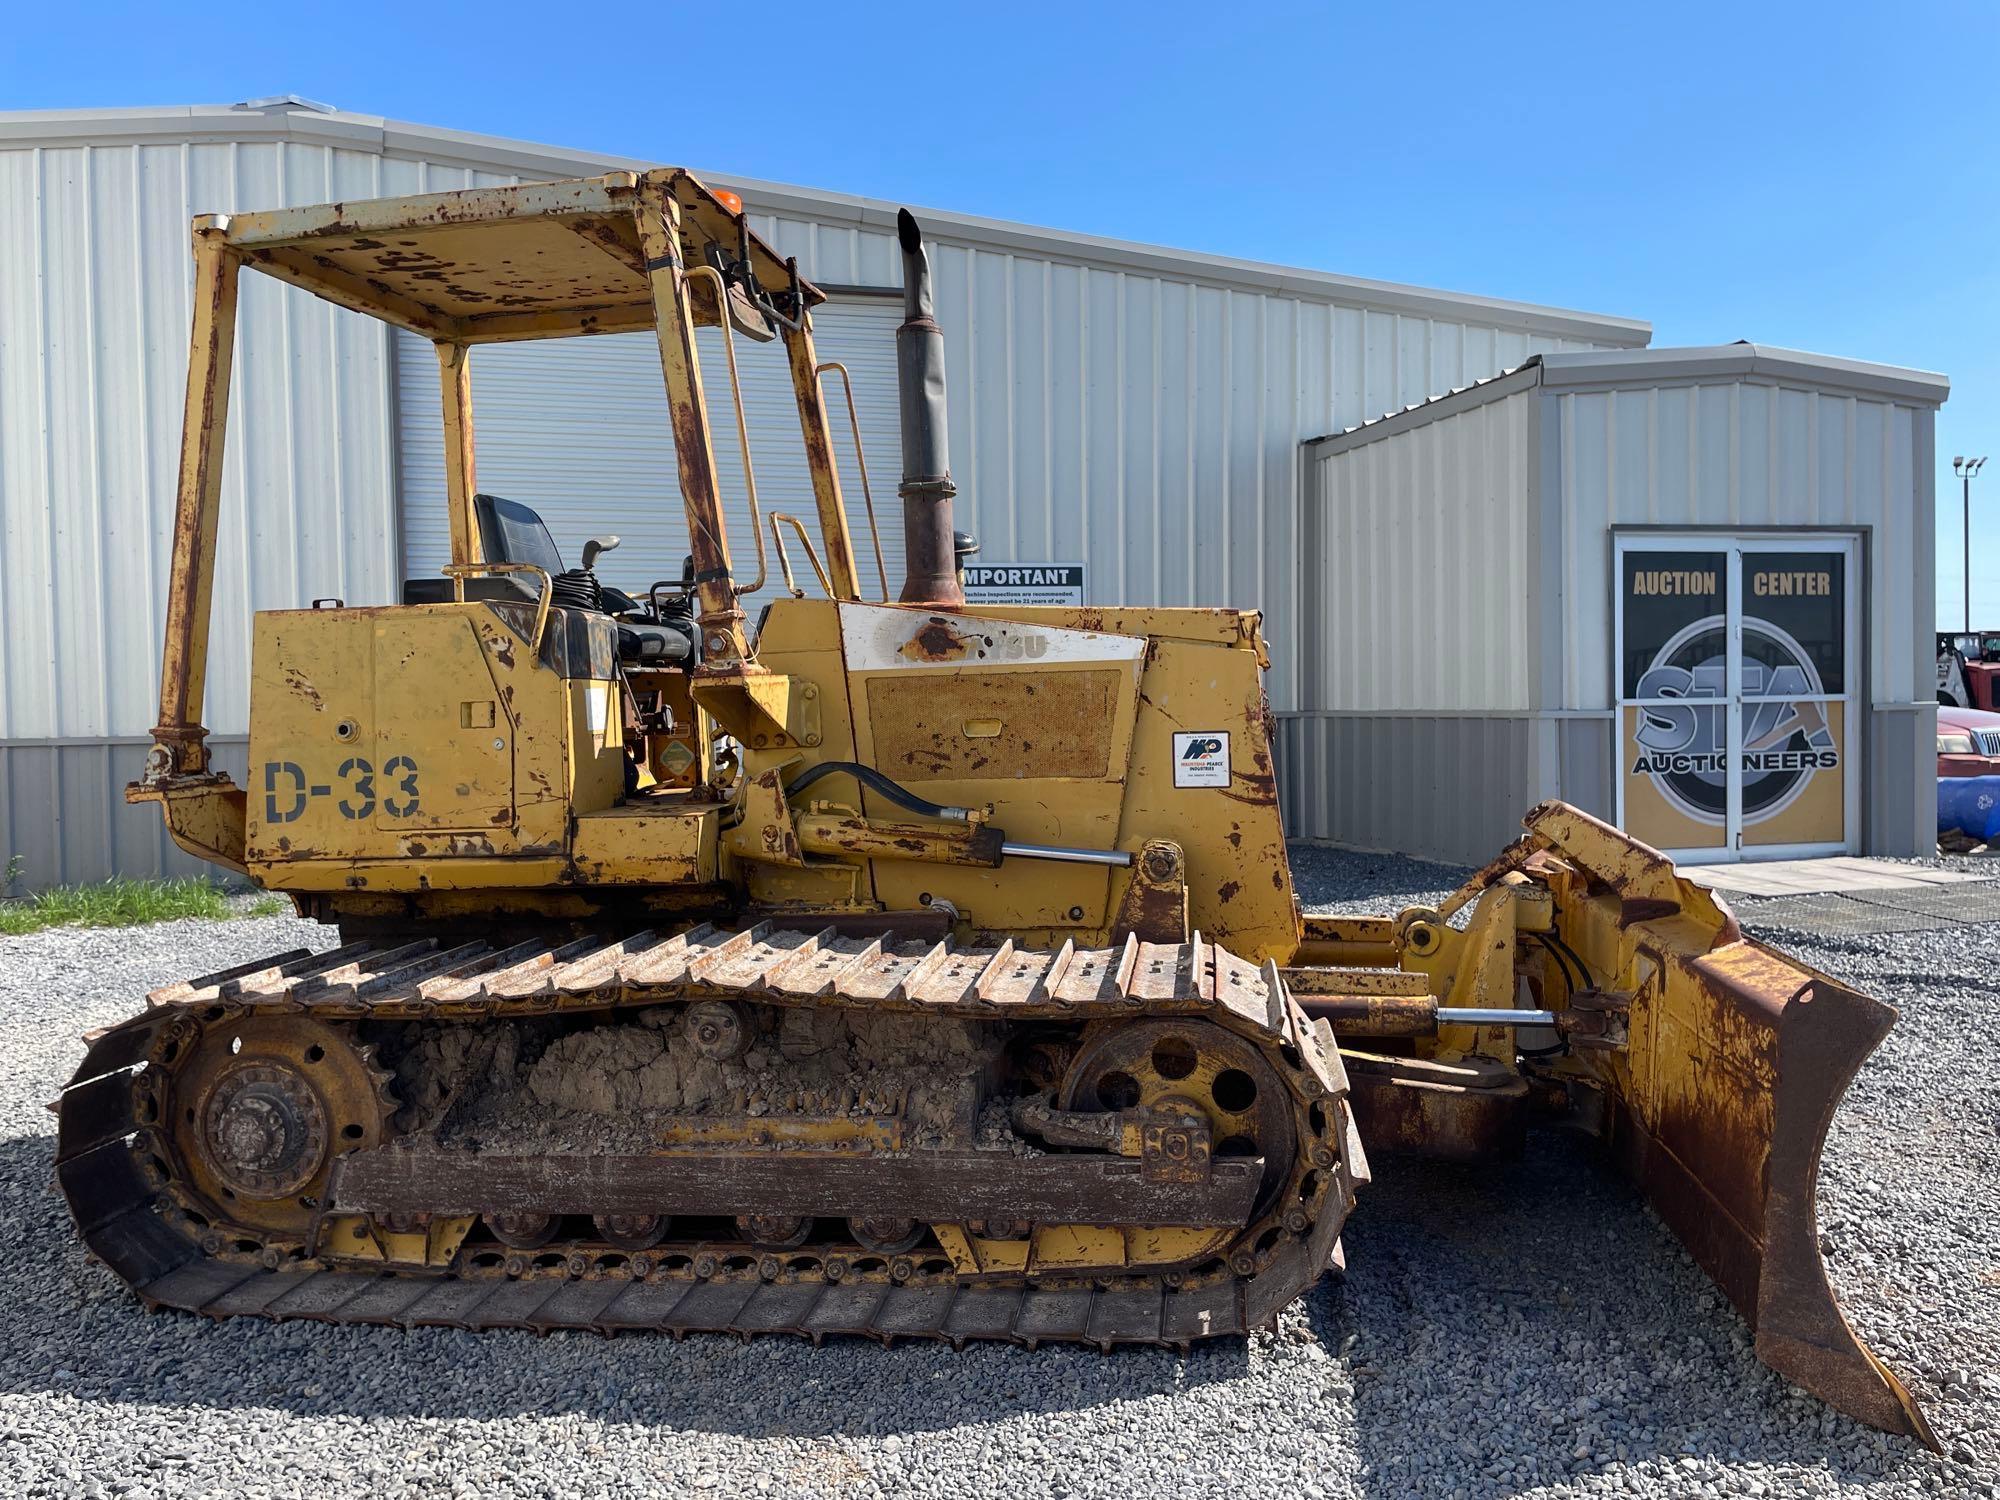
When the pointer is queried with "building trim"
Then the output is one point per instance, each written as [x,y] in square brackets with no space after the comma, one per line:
[1547,598]
[1451,404]
[1509,714]
[396,138]
[1761,363]
[1656,369]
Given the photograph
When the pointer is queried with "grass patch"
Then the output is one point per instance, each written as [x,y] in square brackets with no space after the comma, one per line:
[119,902]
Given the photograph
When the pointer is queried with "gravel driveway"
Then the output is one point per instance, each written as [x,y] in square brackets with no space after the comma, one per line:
[1528,1330]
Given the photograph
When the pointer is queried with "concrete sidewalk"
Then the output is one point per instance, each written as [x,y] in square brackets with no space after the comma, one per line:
[1837,873]
[1842,897]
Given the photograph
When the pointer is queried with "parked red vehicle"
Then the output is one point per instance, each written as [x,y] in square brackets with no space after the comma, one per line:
[1968,742]
[1968,787]
[1968,669]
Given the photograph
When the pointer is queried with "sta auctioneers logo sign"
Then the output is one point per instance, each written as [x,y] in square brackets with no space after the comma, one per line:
[1682,734]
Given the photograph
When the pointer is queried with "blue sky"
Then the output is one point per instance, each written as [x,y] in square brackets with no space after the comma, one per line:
[1820,176]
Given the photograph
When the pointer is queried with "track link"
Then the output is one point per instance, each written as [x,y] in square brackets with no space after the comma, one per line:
[121,1178]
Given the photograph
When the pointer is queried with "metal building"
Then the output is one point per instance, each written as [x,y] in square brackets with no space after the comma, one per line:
[1690,590]
[1135,409]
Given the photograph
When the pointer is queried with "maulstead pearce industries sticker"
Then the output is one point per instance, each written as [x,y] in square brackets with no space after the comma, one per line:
[1202,758]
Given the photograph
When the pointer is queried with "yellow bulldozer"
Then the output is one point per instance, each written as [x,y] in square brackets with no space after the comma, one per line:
[894,969]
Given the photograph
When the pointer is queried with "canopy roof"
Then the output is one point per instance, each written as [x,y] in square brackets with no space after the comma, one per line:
[538,260]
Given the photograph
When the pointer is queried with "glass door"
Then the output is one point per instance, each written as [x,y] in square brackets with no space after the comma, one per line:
[1738,686]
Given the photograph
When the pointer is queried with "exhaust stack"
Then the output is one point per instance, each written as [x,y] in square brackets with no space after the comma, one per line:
[930,572]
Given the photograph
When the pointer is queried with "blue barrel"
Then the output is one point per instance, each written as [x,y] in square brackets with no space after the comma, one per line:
[1970,804]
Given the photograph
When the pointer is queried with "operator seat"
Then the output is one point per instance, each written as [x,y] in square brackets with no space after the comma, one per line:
[508,532]
[512,532]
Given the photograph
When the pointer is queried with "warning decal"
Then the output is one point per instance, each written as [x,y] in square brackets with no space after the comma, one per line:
[1202,758]
[1024,583]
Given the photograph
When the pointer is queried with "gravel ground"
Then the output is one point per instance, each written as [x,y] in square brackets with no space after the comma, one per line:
[1530,1330]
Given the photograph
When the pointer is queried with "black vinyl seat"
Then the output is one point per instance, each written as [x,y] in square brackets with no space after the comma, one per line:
[508,532]
[512,532]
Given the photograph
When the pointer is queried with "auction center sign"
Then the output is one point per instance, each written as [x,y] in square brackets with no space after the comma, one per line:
[1676,700]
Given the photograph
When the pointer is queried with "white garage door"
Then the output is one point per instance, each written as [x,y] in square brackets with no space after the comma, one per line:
[578,429]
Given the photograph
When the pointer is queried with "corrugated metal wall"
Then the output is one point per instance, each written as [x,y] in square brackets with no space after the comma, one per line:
[1110,462]
[1733,454]
[66,818]
[1149,425]
[1443,786]
[1421,545]
[95,280]
[1105,406]
[1464,669]
[578,428]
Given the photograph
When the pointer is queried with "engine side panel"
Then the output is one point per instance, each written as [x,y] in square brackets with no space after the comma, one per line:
[1097,729]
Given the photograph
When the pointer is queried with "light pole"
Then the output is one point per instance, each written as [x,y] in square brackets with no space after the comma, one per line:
[1965,468]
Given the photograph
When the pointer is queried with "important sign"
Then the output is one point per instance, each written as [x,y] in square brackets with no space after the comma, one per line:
[1024,583]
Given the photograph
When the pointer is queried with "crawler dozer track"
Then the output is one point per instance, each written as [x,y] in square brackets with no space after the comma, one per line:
[239,1148]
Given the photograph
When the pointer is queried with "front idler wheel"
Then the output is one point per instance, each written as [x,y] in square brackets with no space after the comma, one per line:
[1190,1067]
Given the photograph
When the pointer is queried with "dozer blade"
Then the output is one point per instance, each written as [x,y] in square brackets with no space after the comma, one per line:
[1736,1057]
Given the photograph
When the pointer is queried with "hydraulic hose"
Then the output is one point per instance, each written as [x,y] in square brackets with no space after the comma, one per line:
[882,786]
[909,801]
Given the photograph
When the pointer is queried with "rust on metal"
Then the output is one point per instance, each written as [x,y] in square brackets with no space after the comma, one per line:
[843,579]
[568,260]
[1374,1015]
[1723,1062]
[927,1185]
[722,646]
[460,468]
[1471,1110]
[179,736]
[875,838]
[383,1263]
[1154,907]
[1729,1155]
[1168,1070]
[1309,983]
[1505,862]
[1023,724]
[1629,869]
[930,571]
[936,641]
